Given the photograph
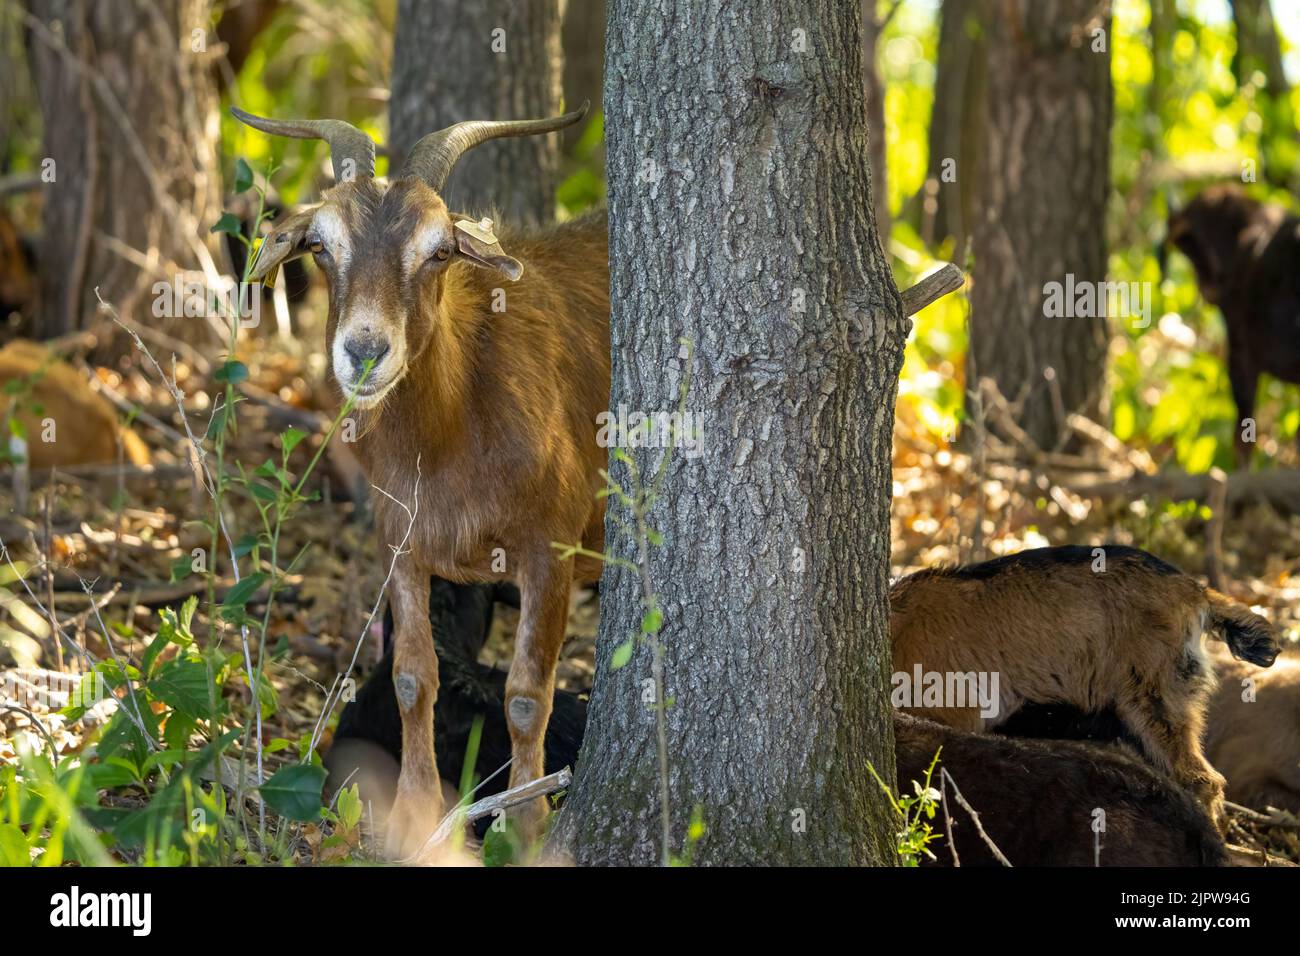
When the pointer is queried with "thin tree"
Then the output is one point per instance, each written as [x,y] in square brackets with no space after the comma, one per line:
[491,59]
[129,170]
[1041,212]
[945,205]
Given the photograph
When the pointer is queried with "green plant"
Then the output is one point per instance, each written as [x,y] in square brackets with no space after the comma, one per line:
[915,834]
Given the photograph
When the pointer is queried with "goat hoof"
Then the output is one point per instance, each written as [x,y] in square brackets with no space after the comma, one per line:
[415,816]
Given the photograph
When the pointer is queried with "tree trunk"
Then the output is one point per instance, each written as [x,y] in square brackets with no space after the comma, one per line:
[875,93]
[1042,211]
[584,59]
[492,59]
[127,94]
[947,198]
[740,203]
[1259,51]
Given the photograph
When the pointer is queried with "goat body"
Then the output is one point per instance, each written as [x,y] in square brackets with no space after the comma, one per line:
[1253,732]
[1245,254]
[1110,628]
[1038,802]
[477,404]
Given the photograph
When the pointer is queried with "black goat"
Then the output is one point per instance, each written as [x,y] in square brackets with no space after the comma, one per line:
[1037,800]
[1245,254]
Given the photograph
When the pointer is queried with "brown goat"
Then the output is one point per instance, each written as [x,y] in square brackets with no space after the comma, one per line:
[1096,628]
[489,397]
[1253,733]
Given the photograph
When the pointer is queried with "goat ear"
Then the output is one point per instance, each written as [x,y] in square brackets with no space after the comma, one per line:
[284,242]
[477,243]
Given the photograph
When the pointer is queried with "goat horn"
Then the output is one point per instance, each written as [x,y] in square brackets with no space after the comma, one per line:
[347,143]
[434,156]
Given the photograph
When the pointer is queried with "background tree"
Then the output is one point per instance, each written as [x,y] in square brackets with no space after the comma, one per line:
[1041,209]
[873,26]
[495,59]
[583,39]
[1257,65]
[126,91]
[947,199]
[772,574]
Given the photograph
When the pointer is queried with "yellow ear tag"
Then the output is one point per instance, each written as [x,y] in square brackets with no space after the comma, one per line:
[481,230]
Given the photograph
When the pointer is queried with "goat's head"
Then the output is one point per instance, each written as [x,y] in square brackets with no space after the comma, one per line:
[1208,231]
[386,247]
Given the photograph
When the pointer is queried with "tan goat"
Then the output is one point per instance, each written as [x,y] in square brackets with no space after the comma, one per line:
[1253,733]
[1108,628]
[489,394]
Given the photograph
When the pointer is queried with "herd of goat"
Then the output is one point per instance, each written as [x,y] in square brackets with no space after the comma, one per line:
[484,418]
[478,423]
[494,412]
[1137,701]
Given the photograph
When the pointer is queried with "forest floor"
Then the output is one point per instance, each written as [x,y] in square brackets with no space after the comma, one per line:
[121,538]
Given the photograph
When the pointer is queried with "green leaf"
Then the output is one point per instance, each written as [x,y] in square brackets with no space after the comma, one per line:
[233,372]
[290,438]
[245,545]
[294,792]
[181,568]
[243,176]
[349,804]
[652,621]
[242,592]
[218,423]
[106,776]
[13,846]
[182,683]
[176,734]
[622,654]
[228,223]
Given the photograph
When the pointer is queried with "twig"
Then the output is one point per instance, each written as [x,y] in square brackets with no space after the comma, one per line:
[947,819]
[947,278]
[975,817]
[495,804]
[38,724]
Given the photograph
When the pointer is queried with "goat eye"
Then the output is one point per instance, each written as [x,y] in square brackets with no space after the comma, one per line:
[443,253]
[316,246]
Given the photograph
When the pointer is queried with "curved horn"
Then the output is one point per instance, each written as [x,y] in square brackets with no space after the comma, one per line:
[434,156]
[346,141]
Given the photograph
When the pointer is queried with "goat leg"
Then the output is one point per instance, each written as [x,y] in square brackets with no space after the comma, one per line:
[1244,378]
[544,585]
[418,806]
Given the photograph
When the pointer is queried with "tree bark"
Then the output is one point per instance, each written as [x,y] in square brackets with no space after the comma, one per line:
[947,198]
[1041,216]
[126,91]
[492,59]
[740,203]
[583,38]
[1259,51]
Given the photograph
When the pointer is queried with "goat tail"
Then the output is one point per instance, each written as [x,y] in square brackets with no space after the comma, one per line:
[1248,636]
